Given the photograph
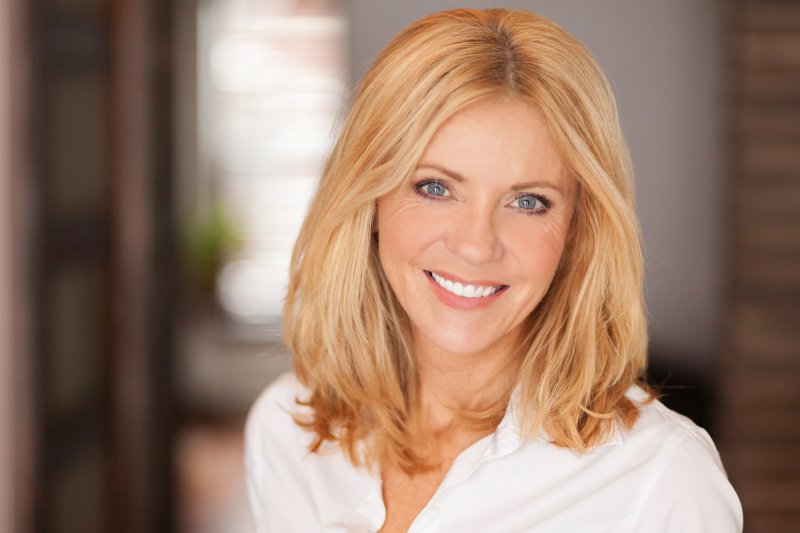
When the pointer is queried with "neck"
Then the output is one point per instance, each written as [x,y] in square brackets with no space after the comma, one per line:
[449,383]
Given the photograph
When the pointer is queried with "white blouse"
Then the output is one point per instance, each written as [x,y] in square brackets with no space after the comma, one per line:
[663,475]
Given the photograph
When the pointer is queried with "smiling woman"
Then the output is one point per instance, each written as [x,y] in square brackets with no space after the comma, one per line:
[465,310]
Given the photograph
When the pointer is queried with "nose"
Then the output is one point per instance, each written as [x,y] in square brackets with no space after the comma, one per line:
[475,237]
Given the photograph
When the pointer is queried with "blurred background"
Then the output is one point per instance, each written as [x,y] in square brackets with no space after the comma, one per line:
[156,159]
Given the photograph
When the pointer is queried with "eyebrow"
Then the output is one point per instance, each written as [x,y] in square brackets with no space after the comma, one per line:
[516,187]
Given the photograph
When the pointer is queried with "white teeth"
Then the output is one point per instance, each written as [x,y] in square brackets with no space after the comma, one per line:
[467,291]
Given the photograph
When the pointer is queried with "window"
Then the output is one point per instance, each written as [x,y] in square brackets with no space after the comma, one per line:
[272,80]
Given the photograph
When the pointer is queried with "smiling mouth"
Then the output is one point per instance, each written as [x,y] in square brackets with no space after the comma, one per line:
[466,291]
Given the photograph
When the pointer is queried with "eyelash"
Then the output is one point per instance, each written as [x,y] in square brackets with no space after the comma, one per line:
[543,200]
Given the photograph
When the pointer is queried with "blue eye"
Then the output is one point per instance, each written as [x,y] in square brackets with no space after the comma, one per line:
[432,188]
[530,203]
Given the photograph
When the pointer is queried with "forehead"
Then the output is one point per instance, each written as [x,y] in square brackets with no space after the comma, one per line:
[498,141]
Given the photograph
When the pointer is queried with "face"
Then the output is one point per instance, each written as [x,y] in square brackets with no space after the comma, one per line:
[470,244]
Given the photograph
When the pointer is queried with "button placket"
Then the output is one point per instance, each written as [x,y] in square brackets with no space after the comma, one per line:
[434,513]
[428,521]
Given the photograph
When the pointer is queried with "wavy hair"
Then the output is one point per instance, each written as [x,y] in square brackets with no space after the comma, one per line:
[586,341]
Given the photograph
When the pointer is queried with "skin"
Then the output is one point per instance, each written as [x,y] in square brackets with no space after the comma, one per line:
[489,204]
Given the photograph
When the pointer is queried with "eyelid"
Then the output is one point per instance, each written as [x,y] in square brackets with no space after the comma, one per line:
[431,179]
[427,181]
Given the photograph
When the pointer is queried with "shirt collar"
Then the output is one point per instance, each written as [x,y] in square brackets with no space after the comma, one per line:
[508,436]
[506,439]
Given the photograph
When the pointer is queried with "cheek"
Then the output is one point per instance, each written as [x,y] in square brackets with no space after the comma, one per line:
[405,230]
[537,251]
[400,238]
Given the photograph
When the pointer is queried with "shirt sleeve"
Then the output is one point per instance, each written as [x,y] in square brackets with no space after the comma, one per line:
[692,493]
[280,499]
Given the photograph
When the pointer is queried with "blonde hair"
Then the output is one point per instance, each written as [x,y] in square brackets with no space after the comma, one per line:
[586,341]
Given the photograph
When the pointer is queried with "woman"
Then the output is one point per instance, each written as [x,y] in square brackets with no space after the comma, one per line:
[465,310]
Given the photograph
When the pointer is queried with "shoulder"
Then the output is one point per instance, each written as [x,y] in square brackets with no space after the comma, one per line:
[686,486]
[667,435]
[271,430]
[277,404]
[660,428]
[275,451]
[284,390]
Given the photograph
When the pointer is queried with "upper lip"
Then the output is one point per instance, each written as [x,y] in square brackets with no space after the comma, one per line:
[464,281]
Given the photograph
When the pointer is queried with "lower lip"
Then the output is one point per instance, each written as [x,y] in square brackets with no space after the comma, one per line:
[461,302]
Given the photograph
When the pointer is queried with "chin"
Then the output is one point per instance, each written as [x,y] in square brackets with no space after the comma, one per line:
[458,342]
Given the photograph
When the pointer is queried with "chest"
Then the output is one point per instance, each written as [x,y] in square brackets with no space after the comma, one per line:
[509,498]
[536,488]
[406,496]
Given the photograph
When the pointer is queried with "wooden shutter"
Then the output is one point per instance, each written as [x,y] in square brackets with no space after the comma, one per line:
[761,361]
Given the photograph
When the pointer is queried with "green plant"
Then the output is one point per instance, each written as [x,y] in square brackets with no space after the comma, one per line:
[210,238]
